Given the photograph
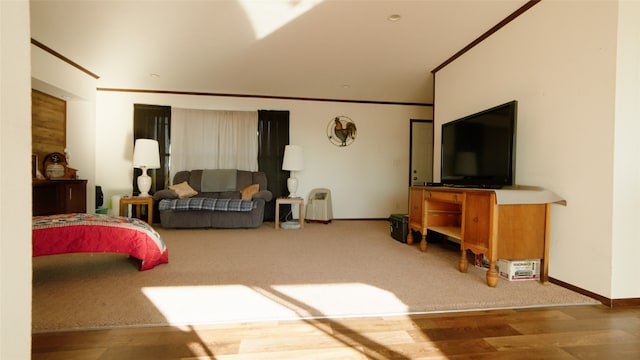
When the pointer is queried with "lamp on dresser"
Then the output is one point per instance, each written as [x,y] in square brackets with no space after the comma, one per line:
[293,161]
[146,155]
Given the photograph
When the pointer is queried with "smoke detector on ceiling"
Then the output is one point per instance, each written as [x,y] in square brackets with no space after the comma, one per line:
[394,17]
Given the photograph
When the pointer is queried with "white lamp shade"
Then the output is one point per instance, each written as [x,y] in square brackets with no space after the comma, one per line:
[293,158]
[146,154]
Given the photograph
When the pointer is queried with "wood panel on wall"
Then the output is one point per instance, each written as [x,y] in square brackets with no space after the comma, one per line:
[48,125]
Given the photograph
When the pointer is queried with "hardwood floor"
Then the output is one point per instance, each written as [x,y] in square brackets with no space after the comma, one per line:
[570,332]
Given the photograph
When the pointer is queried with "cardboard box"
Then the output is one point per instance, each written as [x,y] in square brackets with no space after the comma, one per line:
[518,270]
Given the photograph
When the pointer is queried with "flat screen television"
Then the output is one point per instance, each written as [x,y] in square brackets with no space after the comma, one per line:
[479,150]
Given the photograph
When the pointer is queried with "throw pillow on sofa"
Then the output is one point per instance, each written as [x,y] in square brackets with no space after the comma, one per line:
[183,190]
[249,191]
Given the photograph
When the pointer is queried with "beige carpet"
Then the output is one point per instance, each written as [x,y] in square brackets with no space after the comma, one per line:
[343,269]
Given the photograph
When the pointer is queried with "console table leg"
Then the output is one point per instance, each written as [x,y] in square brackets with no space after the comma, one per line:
[492,274]
[423,242]
[463,264]
[544,272]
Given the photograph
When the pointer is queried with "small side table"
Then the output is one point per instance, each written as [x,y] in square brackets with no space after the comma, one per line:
[292,201]
[138,201]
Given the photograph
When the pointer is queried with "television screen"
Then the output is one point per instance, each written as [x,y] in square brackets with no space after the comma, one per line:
[479,150]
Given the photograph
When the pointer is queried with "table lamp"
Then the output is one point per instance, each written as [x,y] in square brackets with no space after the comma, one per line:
[145,156]
[293,161]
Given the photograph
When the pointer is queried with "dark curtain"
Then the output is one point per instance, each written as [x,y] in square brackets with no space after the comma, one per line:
[273,136]
[153,122]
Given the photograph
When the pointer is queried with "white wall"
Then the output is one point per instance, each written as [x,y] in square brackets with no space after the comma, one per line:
[15,182]
[626,202]
[559,61]
[367,179]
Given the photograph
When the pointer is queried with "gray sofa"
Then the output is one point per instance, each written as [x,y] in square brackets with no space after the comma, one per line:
[214,209]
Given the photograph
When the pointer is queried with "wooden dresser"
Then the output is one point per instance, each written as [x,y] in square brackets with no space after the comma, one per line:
[516,230]
[59,196]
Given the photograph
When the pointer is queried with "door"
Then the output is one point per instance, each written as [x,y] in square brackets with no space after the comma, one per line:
[421,152]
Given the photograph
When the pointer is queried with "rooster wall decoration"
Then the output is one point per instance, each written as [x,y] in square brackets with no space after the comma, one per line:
[341,131]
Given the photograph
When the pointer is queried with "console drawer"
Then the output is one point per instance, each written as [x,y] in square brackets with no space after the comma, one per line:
[452,197]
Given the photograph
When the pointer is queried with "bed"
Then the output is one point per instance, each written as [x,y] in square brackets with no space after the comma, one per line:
[95,233]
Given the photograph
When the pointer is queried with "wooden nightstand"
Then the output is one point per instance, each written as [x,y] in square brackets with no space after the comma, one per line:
[138,202]
[292,201]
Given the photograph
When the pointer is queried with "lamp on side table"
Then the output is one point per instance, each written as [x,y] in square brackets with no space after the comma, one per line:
[145,156]
[293,161]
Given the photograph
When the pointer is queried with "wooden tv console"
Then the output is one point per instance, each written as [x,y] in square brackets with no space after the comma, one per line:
[517,230]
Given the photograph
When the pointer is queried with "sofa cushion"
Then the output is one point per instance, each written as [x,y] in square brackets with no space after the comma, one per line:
[195,179]
[221,195]
[219,180]
[249,191]
[244,179]
[164,194]
[184,175]
[259,177]
[183,190]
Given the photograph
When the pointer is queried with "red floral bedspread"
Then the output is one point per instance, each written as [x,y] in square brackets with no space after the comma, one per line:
[72,233]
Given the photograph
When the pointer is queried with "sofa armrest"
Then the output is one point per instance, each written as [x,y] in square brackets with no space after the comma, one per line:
[266,195]
[165,194]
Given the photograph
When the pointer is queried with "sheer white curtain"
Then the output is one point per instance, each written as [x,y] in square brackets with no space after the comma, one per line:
[213,139]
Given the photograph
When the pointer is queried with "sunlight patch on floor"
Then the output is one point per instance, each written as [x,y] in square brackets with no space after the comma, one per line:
[342,299]
[269,16]
[214,304]
[196,305]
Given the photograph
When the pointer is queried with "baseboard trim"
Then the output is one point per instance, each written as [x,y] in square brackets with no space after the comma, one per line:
[612,303]
[617,303]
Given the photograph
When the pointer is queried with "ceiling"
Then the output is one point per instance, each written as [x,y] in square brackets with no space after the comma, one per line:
[342,50]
